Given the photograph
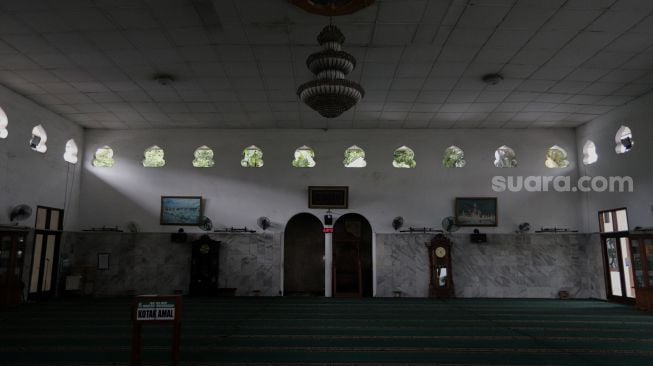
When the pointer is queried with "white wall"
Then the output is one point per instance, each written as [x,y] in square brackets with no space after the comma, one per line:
[237,196]
[30,177]
[637,163]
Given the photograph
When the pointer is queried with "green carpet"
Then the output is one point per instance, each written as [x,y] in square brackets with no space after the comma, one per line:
[335,331]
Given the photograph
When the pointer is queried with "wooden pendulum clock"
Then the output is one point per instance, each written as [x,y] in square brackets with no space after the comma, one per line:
[441,280]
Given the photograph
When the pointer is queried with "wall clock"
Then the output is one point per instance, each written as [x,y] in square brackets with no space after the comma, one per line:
[441,273]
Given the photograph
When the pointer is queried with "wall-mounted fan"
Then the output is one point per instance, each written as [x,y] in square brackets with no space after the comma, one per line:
[205,223]
[449,224]
[132,227]
[263,222]
[523,228]
[20,213]
[397,223]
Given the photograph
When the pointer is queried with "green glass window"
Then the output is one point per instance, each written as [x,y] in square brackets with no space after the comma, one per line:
[3,124]
[252,157]
[103,157]
[39,139]
[589,153]
[154,157]
[404,157]
[354,157]
[624,140]
[304,157]
[505,157]
[70,155]
[556,157]
[203,157]
[453,157]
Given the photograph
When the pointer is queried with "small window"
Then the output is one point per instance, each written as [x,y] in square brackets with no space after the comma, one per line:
[404,157]
[624,140]
[103,157]
[39,139]
[589,153]
[505,157]
[203,157]
[613,220]
[253,157]
[3,124]
[154,157]
[453,157]
[304,157]
[556,157]
[71,152]
[354,157]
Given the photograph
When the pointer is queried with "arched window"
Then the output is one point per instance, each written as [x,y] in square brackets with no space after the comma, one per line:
[103,157]
[556,157]
[624,140]
[154,157]
[404,157]
[354,157]
[71,152]
[589,153]
[39,139]
[505,157]
[453,157]
[203,157]
[253,157]
[4,121]
[304,157]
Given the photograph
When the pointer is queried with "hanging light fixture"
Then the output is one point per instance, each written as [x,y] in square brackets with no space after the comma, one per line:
[330,94]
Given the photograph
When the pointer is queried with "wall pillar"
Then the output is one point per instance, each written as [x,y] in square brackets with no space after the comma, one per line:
[328,260]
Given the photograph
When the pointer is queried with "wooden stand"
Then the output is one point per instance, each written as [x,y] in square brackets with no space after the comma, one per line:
[204,267]
[441,279]
[153,309]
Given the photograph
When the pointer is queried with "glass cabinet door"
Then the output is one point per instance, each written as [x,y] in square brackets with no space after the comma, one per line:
[648,250]
[5,256]
[637,262]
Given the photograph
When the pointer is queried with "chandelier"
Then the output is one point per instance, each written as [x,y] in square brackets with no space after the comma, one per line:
[330,94]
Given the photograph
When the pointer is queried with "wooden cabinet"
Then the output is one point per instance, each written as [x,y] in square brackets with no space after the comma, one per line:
[12,256]
[641,248]
[441,273]
[205,267]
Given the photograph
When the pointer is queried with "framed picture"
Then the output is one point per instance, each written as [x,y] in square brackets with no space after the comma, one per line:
[181,210]
[328,197]
[476,211]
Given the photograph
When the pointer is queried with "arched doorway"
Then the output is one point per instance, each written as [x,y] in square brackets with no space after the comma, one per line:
[303,256]
[352,257]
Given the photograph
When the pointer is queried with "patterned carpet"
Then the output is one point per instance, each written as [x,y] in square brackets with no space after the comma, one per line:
[320,331]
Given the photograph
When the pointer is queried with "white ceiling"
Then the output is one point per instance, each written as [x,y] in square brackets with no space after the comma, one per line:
[565,62]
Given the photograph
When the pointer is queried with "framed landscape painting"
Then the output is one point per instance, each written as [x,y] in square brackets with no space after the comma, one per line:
[476,211]
[181,210]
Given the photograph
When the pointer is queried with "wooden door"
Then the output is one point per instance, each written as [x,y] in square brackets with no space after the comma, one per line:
[303,256]
[45,255]
[352,257]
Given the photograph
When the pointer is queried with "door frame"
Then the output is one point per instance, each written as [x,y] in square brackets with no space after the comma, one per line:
[372,258]
[54,284]
[618,235]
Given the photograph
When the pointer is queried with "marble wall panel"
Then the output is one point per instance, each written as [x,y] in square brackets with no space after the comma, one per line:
[151,263]
[508,265]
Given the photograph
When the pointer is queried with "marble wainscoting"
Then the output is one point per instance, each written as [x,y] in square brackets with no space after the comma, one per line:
[508,265]
[251,263]
[151,263]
